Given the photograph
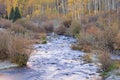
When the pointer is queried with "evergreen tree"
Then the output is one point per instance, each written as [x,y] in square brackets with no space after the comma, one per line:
[2,16]
[12,13]
[6,16]
[17,14]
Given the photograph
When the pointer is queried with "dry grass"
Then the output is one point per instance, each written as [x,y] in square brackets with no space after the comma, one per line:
[14,48]
[39,38]
[86,38]
[39,27]
[101,33]
[18,29]
[66,23]
[84,48]
[106,39]
[75,28]
[94,30]
[5,23]
[85,42]
[88,57]
[116,44]
[19,52]
[48,27]
[61,30]
[4,45]
[105,60]
[28,25]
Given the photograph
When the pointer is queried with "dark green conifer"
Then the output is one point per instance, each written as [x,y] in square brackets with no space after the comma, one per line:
[17,14]
[12,14]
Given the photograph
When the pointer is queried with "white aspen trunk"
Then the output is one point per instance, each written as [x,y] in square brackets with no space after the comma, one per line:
[113,4]
[100,6]
[95,6]
[89,7]
[63,8]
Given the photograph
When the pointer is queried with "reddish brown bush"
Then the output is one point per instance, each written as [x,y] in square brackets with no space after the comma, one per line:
[88,57]
[92,18]
[105,60]
[48,27]
[67,23]
[93,29]
[18,29]
[85,42]
[60,30]
[28,25]
[4,45]
[117,42]
[86,38]
[5,23]
[39,38]
[19,51]
[75,28]
[14,48]
[42,18]
[85,47]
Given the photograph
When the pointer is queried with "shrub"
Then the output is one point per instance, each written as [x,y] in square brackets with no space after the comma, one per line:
[106,38]
[39,38]
[88,57]
[76,47]
[60,30]
[28,25]
[105,60]
[14,48]
[19,58]
[43,38]
[41,29]
[75,28]
[116,44]
[85,42]
[86,38]
[4,45]
[19,51]
[48,27]
[36,36]
[41,18]
[66,23]
[18,29]
[93,29]
[85,47]
[5,23]
[100,34]
[93,19]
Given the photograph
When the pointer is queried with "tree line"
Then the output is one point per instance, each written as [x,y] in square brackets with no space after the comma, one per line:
[71,8]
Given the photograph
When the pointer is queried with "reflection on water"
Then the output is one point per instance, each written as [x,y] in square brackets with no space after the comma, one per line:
[9,77]
[23,73]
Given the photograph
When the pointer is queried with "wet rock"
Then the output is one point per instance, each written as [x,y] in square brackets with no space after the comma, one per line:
[39,46]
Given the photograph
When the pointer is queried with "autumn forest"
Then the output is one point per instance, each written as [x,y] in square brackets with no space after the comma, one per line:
[71,8]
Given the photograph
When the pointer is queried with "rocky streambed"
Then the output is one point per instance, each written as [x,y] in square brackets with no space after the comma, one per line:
[54,61]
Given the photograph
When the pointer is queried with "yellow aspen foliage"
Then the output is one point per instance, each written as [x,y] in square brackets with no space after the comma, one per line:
[36,13]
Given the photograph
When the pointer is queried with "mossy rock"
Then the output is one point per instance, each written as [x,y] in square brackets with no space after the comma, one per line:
[44,42]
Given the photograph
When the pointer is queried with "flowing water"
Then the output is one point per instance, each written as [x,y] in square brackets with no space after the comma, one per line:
[54,61]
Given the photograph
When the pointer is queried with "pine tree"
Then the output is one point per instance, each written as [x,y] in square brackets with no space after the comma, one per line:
[17,14]
[12,13]
[6,16]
